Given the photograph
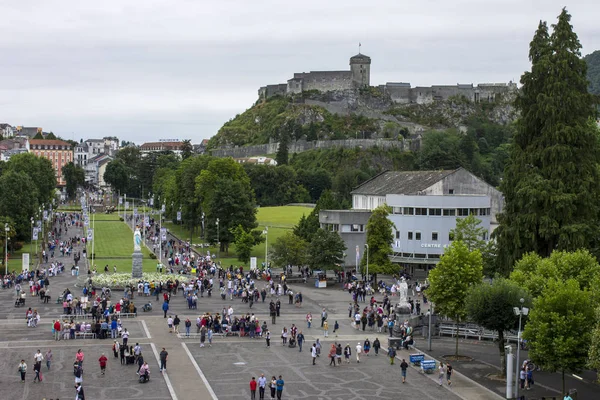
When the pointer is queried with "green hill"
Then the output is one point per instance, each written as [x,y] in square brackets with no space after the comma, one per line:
[593,73]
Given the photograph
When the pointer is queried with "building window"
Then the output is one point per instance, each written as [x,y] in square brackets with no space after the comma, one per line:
[463,212]
[417,235]
[397,234]
[435,211]
[434,236]
[420,211]
[410,236]
[449,212]
[409,211]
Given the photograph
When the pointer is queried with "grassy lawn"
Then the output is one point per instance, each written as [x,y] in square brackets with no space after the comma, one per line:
[279,220]
[114,244]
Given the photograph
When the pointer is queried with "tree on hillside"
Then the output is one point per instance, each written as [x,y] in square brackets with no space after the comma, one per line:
[288,249]
[326,251]
[379,239]
[116,176]
[559,328]
[450,280]
[41,172]
[551,182]
[74,177]
[18,199]
[491,306]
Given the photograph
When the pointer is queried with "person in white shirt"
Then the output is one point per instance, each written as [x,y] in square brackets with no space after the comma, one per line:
[262,384]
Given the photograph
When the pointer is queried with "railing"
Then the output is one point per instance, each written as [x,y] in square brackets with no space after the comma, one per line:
[474,331]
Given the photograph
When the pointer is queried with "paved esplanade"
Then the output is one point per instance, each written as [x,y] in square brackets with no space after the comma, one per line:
[224,369]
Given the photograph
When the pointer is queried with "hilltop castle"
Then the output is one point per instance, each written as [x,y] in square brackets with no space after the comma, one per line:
[400,92]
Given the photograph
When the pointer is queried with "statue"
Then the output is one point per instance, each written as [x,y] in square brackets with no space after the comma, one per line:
[137,240]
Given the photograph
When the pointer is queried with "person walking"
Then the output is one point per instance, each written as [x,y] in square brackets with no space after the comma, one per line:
[163,359]
[403,368]
[23,370]
[273,387]
[347,353]
[300,339]
[37,367]
[253,385]
[313,353]
[262,384]
[48,358]
[325,328]
[449,374]
[441,373]
[376,346]
[392,354]
[280,384]
[102,360]
[358,351]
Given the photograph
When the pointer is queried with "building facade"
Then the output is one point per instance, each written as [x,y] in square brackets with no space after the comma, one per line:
[57,151]
[425,206]
[359,76]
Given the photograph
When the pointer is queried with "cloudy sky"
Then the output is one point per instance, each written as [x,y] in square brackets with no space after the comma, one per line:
[149,69]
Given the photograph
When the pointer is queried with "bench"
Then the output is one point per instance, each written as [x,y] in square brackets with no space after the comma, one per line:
[84,335]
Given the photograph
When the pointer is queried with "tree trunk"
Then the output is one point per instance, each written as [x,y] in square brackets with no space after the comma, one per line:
[502,352]
[456,350]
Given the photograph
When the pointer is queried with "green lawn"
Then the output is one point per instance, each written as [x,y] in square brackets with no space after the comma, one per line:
[278,219]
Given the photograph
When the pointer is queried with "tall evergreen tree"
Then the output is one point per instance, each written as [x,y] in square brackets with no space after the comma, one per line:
[551,181]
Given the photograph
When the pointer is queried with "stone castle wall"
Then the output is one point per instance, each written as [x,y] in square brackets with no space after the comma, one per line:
[302,145]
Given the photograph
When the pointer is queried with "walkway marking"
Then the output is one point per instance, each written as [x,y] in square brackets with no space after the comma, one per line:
[146,329]
[195,364]
[164,373]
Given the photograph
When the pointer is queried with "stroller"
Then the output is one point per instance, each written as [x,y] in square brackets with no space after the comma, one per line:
[147,307]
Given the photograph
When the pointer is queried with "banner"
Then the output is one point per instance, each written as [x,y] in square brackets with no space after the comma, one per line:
[178,215]
[25,262]
[90,234]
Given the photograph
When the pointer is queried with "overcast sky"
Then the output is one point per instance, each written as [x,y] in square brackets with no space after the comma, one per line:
[150,69]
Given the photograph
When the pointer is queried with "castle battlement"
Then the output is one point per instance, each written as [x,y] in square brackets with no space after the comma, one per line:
[400,92]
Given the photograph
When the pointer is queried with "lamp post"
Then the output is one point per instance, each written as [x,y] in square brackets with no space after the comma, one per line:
[218,240]
[266,233]
[520,311]
[6,230]
[367,247]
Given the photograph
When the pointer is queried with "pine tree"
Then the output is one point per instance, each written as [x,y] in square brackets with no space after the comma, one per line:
[551,182]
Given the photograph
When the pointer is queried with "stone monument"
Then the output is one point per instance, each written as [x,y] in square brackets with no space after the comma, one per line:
[136,266]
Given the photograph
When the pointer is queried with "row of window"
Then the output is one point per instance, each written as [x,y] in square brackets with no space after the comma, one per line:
[438,212]
[434,236]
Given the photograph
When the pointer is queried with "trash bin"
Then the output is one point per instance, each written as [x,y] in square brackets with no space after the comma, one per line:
[573,393]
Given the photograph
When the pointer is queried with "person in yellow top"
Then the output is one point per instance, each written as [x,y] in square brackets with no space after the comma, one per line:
[325,328]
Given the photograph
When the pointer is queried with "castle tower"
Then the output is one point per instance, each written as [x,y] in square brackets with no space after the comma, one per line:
[360,66]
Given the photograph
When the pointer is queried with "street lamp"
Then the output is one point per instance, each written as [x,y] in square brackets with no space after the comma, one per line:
[266,233]
[6,230]
[520,311]
[367,247]
[218,240]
